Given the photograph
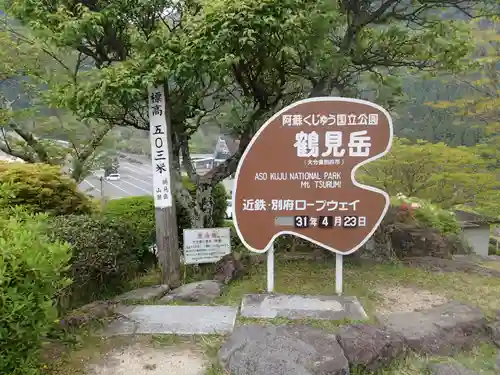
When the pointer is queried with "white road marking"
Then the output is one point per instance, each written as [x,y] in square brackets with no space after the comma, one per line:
[146,170]
[91,185]
[138,187]
[119,188]
[149,183]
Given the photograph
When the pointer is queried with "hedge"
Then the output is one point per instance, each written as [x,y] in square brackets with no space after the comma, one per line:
[32,269]
[41,188]
[139,213]
[104,257]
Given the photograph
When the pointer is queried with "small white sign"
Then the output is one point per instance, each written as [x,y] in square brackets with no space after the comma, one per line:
[207,245]
[159,148]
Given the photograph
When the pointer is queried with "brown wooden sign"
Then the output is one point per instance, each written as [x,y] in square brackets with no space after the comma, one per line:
[297,176]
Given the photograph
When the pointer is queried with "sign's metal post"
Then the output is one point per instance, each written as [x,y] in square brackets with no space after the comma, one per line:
[270,268]
[339,259]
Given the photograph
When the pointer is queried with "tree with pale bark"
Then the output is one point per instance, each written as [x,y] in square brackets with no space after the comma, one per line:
[30,128]
[238,62]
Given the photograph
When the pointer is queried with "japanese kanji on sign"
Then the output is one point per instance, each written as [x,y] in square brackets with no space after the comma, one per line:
[159,148]
[207,245]
[298,175]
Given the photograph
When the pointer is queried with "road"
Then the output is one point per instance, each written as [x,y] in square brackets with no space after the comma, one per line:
[136,178]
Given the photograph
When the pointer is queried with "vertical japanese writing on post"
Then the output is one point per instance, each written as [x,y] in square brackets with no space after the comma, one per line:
[159,148]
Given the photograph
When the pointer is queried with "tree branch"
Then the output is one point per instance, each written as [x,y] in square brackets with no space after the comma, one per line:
[186,160]
[219,173]
[18,154]
[94,143]
[32,142]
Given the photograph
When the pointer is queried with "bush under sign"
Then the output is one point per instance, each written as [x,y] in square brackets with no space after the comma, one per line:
[207,245]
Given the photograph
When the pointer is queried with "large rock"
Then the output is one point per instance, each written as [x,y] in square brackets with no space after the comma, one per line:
[494,331]
[370,347]
[143,294]
[442,330]
[275,350]
[460,263]
[400,236]
[95,311]
[235,265]
[409,240]
[230,267]
[450,369]
[202,291]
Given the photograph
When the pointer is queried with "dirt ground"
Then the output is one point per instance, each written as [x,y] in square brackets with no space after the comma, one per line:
[403,299]
[141,359]
[382,288]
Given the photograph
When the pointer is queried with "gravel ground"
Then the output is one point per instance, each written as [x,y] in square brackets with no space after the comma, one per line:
[140,359]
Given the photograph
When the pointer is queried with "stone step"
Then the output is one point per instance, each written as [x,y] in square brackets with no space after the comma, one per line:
[302,307]
[179,320]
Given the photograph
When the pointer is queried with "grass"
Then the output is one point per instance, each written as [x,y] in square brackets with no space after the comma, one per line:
[149,278]
[364,282]
[309,277]
[492,265]
[481,359]
[90,349]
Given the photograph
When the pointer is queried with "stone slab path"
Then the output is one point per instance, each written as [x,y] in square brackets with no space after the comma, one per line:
[441,330]
[444,330]
[299,307]
[179,320]
[264,349]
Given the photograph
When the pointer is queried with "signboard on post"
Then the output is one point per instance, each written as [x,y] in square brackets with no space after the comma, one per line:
[207,245]
[298,175]
[159,148]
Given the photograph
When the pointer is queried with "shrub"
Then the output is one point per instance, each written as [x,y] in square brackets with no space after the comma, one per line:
[41,188]
[219,196]
[236,244]
[139,213]
[430,215]
[492,250]
[104,256]
[31,273]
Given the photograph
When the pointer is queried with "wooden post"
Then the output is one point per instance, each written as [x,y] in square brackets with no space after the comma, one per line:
[167,241]
[167,244]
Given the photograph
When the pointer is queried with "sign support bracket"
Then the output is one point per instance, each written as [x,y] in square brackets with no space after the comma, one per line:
[270,268]
[339,259]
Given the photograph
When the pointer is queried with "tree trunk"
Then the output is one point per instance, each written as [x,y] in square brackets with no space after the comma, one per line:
[200,212]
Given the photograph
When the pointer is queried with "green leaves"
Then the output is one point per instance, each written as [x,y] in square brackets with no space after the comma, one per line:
[428,214]
[104,256]
[41,188]
[250,57]
[443,175]
[32,271]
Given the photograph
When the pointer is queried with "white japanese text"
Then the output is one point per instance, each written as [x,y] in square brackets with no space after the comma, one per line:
[330,119]
[308,144]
